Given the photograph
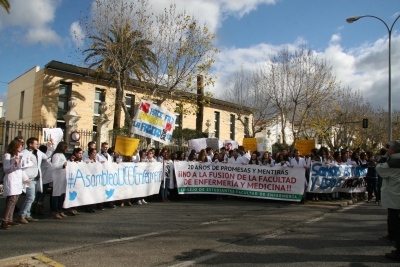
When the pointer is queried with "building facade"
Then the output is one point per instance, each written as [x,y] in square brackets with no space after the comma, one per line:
[40,96]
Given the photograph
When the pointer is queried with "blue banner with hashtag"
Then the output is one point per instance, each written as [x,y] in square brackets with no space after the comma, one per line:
[90,183]
[328,178]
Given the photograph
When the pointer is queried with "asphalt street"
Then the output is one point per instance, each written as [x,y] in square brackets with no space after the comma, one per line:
[232,232]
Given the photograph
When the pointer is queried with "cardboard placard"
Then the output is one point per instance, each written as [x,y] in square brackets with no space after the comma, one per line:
[126,146]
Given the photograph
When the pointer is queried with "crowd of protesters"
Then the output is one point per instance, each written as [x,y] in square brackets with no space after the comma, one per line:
[49,165]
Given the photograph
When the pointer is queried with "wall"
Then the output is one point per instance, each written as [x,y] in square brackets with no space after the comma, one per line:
[45,89]
[26,83]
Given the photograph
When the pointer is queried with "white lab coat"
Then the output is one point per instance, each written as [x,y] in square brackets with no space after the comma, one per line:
[302,162]
[59,174]
[238,160]
[40,156]
[171,174]
[14,176]
[47,171]
[100,157]
[286,164]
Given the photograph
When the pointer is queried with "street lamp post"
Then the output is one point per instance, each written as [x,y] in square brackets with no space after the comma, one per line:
[355,18]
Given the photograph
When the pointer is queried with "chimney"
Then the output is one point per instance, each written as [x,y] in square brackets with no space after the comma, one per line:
[200,105]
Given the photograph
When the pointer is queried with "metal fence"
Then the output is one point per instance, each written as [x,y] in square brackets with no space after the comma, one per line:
[10,130]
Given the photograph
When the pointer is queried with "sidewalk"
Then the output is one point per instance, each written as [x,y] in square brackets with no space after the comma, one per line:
[33,260]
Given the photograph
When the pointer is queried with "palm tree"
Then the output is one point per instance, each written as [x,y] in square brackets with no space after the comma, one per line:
[6,5]
[122,53]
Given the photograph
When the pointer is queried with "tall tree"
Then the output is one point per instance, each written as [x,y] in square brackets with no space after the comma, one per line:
[123,54]
[6,5]
[299,84]
[184,50]
[249,92]
[117,46]
[165,52]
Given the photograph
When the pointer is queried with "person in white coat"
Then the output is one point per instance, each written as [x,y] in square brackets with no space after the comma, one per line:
[168,176]
[34,173]
[91,146]
[297,161]
[47,178]
[103,156]
[281,161]
[237,159]
[59,163]
[13,182]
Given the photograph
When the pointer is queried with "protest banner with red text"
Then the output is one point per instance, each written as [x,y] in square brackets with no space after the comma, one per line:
[281,183]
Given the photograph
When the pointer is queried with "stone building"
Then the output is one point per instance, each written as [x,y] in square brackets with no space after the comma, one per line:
[40,96]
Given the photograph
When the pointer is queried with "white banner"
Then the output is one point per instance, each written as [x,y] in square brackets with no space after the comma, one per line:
[231,145]
[154,122]
[198,144]
[327,178]
[264,144]
[202,143]
[55,134]
[284,183]
[96,183]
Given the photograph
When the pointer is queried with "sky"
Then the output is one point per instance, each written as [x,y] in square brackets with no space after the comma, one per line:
[247,32]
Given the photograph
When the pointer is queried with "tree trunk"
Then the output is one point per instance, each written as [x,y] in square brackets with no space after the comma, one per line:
[200,96]
[119,97]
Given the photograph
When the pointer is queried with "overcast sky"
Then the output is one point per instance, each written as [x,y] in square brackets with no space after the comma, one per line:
[248,32]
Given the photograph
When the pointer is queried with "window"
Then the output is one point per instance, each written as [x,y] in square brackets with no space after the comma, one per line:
[232,132]
[216,124]
[64,94]
[130,105]
[21,105]
[179,116]
[246,127]
[99,97]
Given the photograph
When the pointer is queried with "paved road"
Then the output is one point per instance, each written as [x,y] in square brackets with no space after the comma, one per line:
[208,233]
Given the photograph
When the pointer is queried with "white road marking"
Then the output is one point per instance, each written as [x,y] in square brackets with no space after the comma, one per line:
[314,220]
[99,243]
[195,261]
[351,207]
[271,235]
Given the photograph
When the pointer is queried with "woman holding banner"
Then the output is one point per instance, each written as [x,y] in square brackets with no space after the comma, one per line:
[13,182]
[281,161]
[150,156]
[254,159]
[192,156]
[202,156]
[143,155]
[266,160]
[59,162]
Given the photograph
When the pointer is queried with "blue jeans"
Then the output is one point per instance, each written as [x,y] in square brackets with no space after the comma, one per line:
[164,191]
[30,197]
